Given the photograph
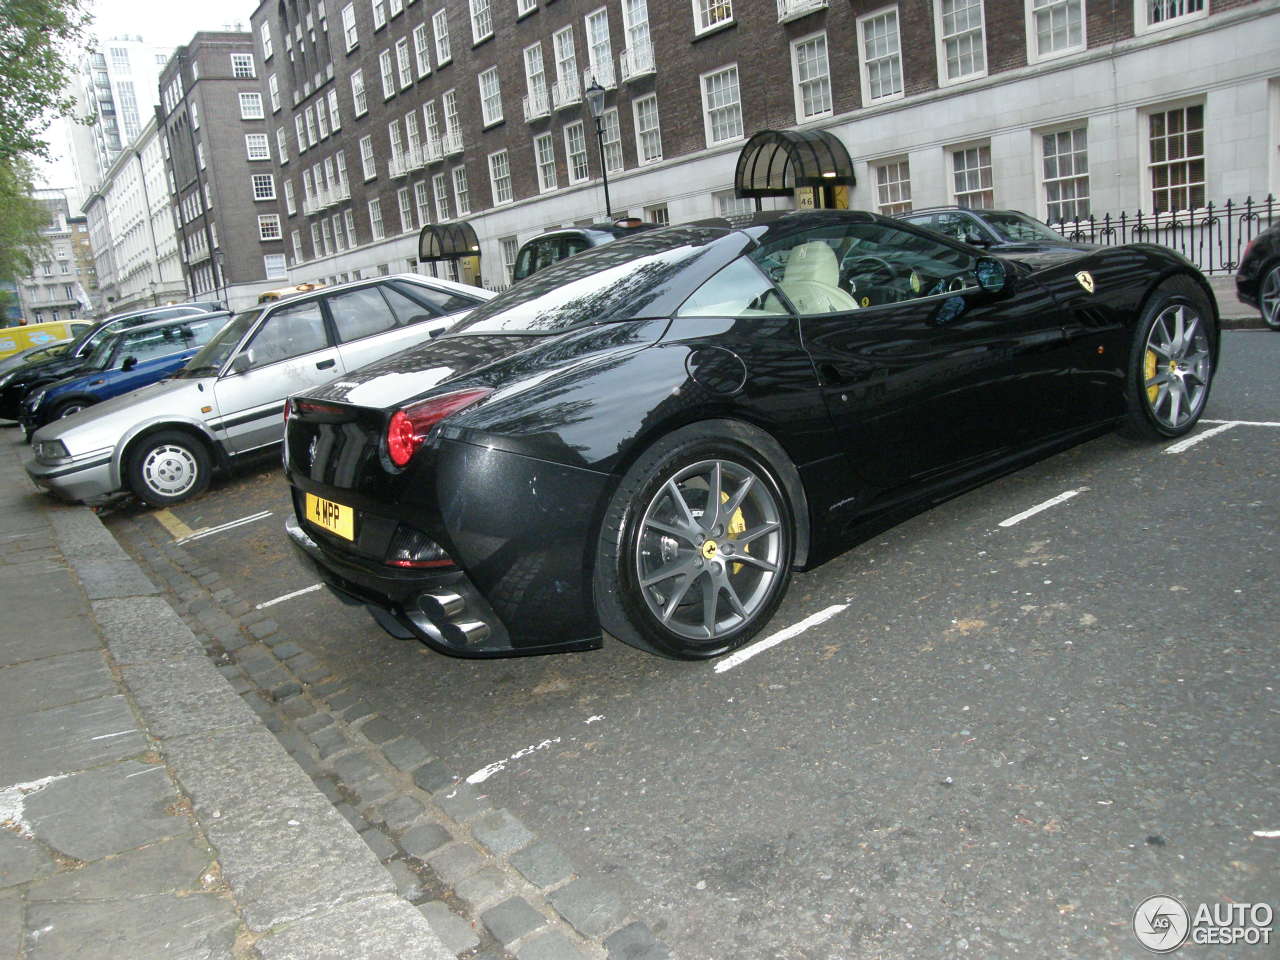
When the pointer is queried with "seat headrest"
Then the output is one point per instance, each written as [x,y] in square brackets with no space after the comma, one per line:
[813,261]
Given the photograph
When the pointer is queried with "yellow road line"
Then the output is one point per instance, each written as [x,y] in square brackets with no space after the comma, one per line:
[176,527]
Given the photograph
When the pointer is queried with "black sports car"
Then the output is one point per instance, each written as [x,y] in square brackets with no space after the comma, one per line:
[1258,277]
[651,436]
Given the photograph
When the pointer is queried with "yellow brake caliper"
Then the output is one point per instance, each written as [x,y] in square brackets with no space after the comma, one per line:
[737,526]
[1148,373]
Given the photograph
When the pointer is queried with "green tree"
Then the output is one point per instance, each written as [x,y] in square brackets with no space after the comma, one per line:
[21,219]
[39,43]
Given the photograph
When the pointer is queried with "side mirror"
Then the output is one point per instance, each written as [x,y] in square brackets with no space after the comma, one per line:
[129,364]
[242,362]
[992,275]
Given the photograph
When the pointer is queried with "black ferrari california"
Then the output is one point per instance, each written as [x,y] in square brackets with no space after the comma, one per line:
[650,436]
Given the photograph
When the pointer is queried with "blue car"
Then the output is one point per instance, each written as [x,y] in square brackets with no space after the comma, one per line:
[122,362]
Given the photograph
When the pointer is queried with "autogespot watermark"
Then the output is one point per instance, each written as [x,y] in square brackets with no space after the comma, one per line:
[1162,924]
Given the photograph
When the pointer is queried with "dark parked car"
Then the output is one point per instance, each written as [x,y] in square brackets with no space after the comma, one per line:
[554,246]
[16,384]
[122,361]
[1258,279]
[1006,232]
[649,437]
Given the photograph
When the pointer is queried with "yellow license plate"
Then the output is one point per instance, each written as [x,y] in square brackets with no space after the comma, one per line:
[333,517]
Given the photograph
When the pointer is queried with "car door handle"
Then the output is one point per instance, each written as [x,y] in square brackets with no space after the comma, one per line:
[325,364]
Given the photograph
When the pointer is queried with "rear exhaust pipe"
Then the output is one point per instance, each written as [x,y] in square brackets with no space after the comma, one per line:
[471,631]
[444,604]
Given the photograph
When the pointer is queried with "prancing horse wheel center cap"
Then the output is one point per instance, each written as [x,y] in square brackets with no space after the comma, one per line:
[709,549]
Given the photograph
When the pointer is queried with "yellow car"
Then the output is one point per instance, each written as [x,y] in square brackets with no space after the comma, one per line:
[14,339]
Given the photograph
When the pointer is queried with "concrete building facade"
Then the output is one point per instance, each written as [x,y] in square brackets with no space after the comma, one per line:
[132,228]
[383,115]
[214,138]
[62,282]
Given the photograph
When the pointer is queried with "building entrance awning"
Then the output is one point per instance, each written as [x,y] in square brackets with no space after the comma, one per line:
[447,241]
[774,163]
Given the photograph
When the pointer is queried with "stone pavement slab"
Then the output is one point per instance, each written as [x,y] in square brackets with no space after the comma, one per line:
[48,637]
[108,810]
[168,867]
[198,926]
[10,924]
[22,860]
[54,681]
[373,929]
[68,738]
[143,630]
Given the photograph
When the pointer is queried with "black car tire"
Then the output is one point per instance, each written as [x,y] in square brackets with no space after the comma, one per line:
[630,545]
[1150,414]
[1269,286]
[169,467]
[68,407]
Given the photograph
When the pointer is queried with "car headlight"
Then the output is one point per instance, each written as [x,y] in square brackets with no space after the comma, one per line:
[7,378]
[36,398]
[50,450]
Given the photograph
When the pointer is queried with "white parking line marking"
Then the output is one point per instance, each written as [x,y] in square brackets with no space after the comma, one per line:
[1190,442]
[1267,834]
[487,771]
[210,531]
[1051,502]
[1247,423]
[760,646]
[108,736]
[288,596]
[130,776]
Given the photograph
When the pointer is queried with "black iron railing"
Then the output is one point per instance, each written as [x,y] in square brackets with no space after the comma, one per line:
[1213,236]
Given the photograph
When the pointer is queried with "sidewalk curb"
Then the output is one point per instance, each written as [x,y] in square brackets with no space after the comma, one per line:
[304,882]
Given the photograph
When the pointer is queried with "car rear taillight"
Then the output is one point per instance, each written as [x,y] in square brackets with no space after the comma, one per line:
[413,548]
[409,427]
[287,404]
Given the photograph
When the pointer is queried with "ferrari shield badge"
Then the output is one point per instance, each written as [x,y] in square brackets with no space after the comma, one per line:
[1085,279]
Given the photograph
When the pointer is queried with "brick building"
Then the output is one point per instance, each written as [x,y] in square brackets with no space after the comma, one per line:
[385,115]
[213,129]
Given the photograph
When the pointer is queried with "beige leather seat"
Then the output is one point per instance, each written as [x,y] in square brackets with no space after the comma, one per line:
[811,280]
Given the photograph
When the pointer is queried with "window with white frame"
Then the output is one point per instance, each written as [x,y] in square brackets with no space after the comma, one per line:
[264,34]
[242,66]
[335,121]
[490,97]
[412,136]
[440,187]
[599,47]
[251,106]
[349,32]
[375,219]
[404,63]
[404,201]
[379,14]
[327,235]
[431,124]
[298,256]
[257,147]
[721,105]
[1065,162]
[961,40]
[500,177]
[273,92]
[290,202]
[450,100]
[1157,14]
[544,155]
[1054,28]
[422,200]
[812,77]
[396,140]
[535,77]
[387,69]
[612,139]
[349,217]
[440,27]
[322,118]
[368,164]
[509,246]
[525,6]
[881,60]
[481,20]
[341,163]
[312,137]
[200,155]
[635,24]
[461,194]
[893,186]
[1175,158]
[709,14]
[421,50]
[395,7]
[575,152]
[566,56]
[648,131]
[729,205]
[659,214]
[308,187]
[317,246]
[269,226]
[282,145]
[971,177]
[359,102]
[274,265]
[300,126]
[339,238]
[194,110]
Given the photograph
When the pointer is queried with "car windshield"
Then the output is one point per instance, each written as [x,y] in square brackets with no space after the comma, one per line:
[101,355]
[1018,227]
[616,281]
[209,360]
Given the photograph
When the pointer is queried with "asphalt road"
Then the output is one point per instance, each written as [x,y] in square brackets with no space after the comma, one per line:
[1006,738]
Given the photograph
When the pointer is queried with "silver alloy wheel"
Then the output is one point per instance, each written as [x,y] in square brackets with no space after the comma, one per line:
[170,470]
[70,409]
[709,549]
[1176,366]
[1269,298]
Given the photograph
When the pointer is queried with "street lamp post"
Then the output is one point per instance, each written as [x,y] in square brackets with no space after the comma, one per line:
[594,95]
